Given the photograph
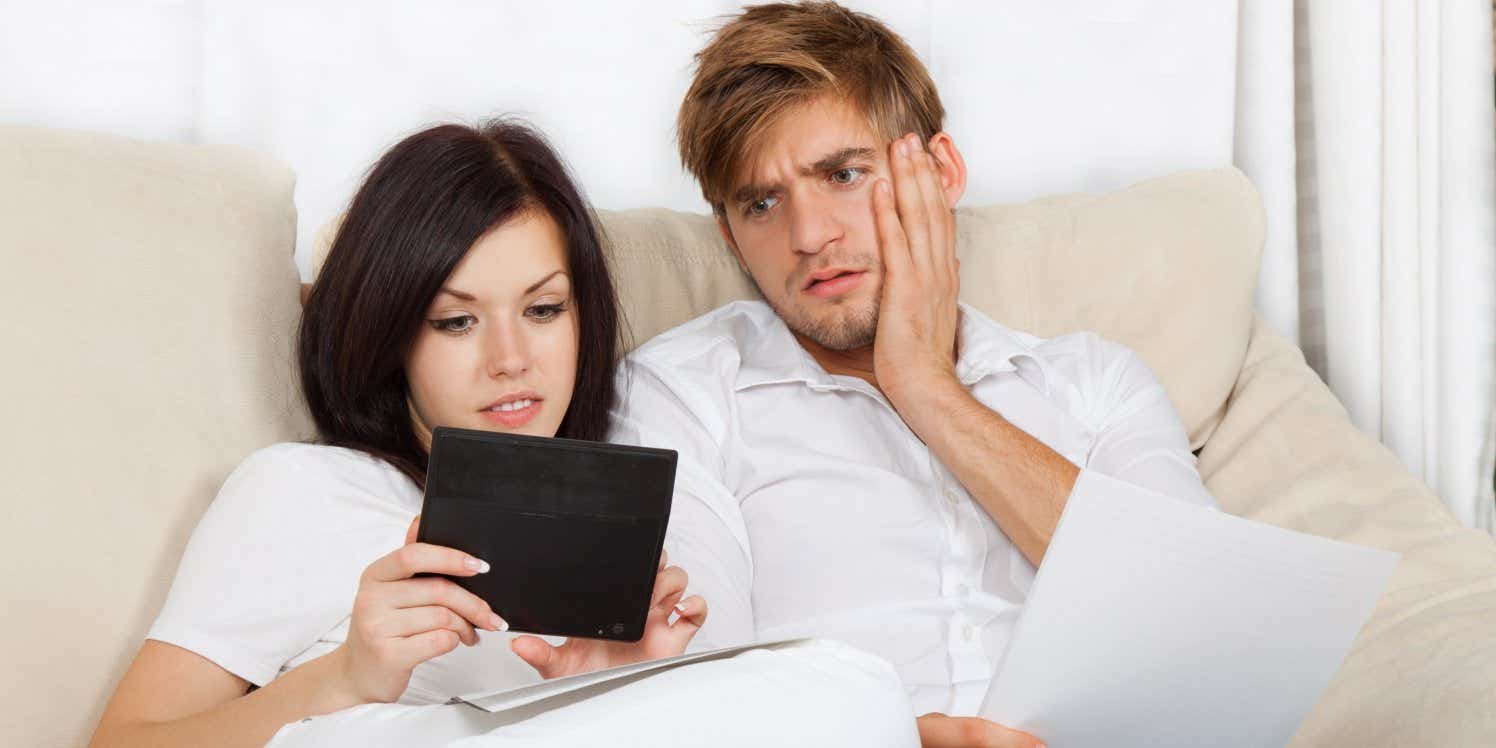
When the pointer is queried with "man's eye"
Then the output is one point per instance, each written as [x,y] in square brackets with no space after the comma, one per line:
[545,312]
[846,176]
[460,324]
[762,206]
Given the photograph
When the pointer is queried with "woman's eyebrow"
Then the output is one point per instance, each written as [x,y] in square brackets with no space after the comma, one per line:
[542,281]
[459,294]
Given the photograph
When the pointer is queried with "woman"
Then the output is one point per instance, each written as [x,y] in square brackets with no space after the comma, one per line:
[466,287]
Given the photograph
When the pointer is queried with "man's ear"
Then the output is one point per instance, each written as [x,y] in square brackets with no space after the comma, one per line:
[952,167]
[727,237]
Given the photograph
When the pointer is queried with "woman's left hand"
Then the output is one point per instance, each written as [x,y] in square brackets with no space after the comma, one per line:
[661,637]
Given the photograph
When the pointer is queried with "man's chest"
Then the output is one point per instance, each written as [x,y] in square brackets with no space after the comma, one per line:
[838,494]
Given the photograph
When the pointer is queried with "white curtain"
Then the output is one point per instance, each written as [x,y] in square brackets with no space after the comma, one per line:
[1381,252]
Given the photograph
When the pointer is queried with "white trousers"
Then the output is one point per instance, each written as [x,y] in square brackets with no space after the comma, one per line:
[815,693]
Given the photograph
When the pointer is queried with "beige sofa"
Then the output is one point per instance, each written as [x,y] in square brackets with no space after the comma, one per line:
[149,299]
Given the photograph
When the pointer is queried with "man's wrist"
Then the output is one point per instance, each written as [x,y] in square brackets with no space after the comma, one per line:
[928,401]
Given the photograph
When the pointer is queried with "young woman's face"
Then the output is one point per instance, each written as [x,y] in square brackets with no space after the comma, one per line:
[497,350]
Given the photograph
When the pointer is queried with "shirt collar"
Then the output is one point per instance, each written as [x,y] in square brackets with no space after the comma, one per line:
[772,355]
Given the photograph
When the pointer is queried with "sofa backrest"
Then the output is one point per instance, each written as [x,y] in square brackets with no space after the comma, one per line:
[146,306]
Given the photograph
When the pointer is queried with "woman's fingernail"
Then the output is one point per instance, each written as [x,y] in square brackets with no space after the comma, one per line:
[680,608]
[903,148]
[476,564]
[496,623]
[883,186]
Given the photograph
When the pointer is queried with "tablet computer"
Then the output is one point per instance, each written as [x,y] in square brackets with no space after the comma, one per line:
[572,530]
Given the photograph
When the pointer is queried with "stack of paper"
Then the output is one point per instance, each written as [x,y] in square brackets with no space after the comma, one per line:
[1155,622]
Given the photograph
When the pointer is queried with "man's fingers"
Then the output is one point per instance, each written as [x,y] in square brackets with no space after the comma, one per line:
[413,530]
[418,558]
[910,200]
[939,731]
[928,179]
[890,232]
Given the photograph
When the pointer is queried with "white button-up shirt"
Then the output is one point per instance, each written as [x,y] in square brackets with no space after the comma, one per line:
[805,506]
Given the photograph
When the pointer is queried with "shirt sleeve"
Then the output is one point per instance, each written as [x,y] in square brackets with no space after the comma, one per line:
[706,535]
[274,563]
[1139,437]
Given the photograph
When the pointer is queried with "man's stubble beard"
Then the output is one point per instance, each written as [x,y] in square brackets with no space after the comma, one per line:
[853,327]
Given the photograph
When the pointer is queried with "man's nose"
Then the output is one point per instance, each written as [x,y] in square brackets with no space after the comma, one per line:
[506,351]
[813,224]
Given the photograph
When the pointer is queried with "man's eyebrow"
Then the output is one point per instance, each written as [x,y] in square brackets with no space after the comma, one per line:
[831,162]
[838,160]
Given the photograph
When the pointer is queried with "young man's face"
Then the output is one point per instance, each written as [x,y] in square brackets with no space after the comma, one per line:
[801,222]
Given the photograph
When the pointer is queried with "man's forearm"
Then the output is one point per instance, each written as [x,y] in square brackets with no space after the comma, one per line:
[1017,479]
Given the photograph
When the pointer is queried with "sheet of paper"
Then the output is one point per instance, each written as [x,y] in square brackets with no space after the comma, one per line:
[1155,622]
[497,701]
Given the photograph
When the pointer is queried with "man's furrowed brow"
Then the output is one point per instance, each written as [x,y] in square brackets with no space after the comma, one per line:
[830,162]
[838,160]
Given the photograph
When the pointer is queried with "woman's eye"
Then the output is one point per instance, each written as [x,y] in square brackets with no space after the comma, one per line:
[846,176]
[545,312]
[761,206]
[455,324]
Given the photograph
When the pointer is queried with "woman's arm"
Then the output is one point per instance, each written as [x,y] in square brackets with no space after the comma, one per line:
[171,696]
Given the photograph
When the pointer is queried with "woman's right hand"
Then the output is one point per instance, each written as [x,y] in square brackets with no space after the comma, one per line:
[399,622]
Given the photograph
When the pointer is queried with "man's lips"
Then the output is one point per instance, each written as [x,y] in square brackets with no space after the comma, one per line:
[834,282]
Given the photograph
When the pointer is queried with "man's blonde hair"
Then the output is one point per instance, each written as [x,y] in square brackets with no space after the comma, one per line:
[772,58]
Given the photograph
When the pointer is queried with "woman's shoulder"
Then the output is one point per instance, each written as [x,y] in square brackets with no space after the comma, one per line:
[318,473]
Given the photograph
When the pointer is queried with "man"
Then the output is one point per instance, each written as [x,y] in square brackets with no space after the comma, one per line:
[861,457]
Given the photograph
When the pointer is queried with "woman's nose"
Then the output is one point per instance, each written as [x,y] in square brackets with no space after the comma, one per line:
[507,352]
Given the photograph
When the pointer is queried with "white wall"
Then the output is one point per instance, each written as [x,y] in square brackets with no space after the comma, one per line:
[1043,96]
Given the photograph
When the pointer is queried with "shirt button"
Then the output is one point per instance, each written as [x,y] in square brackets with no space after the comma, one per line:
[968,631]
[951,497]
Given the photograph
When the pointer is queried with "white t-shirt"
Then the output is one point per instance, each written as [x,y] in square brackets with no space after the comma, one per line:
[269,576]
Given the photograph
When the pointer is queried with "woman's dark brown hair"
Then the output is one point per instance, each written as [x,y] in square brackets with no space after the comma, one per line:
[423,205]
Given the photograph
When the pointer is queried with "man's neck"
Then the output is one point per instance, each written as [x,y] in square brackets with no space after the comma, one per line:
[857,362]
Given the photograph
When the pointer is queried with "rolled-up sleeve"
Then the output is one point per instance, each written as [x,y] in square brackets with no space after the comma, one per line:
[706,535]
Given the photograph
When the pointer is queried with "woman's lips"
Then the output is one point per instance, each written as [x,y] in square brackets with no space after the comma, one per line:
[512,419]
[835,286]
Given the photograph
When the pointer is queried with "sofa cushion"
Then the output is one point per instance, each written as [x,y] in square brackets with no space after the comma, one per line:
[1423,669]
[147,306]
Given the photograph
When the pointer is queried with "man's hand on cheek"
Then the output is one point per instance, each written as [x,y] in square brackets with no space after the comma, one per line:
[914,355]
